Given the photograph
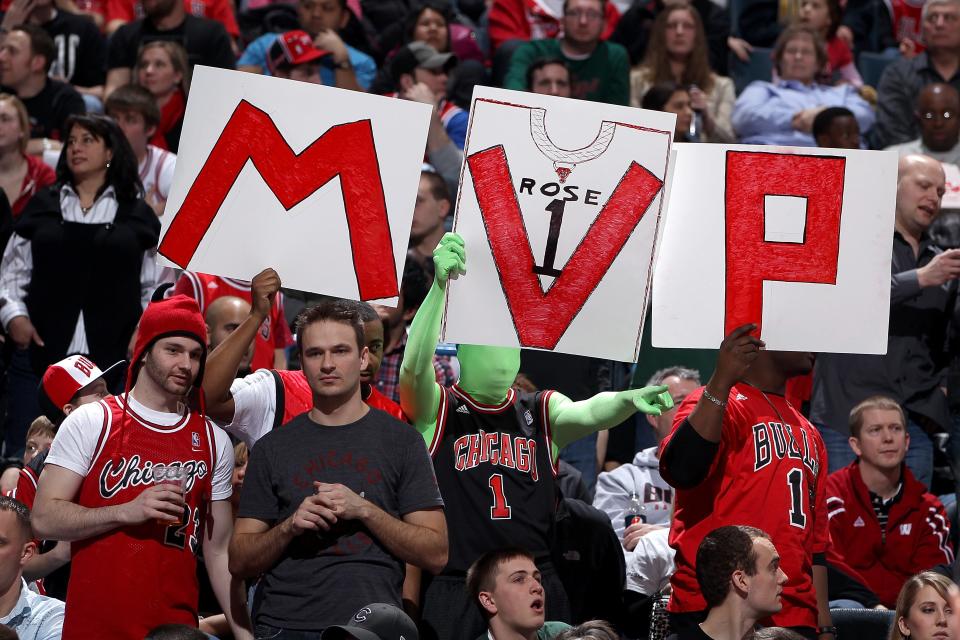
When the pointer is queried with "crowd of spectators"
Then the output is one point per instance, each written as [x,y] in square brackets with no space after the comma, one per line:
[247,475]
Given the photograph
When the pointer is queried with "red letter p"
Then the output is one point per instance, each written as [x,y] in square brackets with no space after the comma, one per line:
[750,258]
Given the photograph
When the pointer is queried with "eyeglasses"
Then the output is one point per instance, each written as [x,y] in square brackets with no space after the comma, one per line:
[931,115]
[589,14]
[680,26]
[790,52]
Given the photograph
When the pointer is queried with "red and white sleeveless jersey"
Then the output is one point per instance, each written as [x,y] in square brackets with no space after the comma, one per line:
[133,578]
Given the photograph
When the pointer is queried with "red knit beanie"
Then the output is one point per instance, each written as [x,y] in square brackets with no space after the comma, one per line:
[176,316]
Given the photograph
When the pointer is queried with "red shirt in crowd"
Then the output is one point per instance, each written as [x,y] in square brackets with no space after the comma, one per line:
[38,176]
[219,10]
[770,473]
[916,538]
[274,333]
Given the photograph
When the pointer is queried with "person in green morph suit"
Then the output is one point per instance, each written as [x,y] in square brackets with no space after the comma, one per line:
[495,451]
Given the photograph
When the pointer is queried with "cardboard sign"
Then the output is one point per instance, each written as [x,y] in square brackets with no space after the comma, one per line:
[795,240]
[559,206]
[319,183]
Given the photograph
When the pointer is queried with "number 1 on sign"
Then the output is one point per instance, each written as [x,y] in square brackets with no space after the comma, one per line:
[500,509]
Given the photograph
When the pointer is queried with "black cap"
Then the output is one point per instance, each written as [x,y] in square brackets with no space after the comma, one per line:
[375,622]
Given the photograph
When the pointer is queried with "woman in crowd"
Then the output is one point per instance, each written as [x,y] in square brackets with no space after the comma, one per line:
[162,70]
[21,175]
[782,112]
[430,22]
[824,16]
[678,53]
[923,609]
[672,98]
[79,267]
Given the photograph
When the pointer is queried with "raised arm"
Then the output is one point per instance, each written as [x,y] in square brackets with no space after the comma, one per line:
[573,420]
[419,392]
[222,364]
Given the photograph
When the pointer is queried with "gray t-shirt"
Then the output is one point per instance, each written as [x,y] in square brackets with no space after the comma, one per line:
[323,578]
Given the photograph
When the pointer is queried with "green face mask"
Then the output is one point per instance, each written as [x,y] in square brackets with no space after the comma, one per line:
[486,373]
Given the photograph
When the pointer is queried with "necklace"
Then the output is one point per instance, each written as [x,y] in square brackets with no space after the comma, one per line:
[565,160]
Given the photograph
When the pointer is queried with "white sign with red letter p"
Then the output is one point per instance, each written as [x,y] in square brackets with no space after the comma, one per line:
[795,240]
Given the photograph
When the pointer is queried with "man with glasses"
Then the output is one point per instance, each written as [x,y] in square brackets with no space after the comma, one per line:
[902,80]
[938,112]
[599,70]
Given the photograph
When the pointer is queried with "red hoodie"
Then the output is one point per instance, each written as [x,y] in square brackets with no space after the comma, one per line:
[917,535]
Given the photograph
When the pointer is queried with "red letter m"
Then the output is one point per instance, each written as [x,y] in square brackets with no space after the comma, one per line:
[345,150]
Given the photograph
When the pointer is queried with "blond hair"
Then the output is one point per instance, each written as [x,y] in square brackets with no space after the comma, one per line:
[22,116]
[881,403]
[42,427]
[908,595]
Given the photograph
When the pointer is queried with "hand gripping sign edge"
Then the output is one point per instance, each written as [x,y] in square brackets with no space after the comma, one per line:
[541,318]
[346,150]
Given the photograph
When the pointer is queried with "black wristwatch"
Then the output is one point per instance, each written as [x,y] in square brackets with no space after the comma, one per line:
[345,65]
[822,631]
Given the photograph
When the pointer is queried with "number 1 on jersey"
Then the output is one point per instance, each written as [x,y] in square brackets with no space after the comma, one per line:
[500,509]
[797,517]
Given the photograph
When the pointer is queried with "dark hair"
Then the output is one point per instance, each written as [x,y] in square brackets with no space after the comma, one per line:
[134,98]
[417,278]
[539,64]
[438,186]
[367,313]
[723,551]
[482,574]
[603,6]
[823,120]
[41,44]
[656,61]
[792,33]
[22,513]
[657,96]
[437,6]
[122,174]
[175,632]
[333,310]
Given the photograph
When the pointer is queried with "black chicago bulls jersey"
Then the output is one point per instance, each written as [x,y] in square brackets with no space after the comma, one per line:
[496,474]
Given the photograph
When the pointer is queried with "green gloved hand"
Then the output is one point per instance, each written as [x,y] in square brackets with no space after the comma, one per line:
[449,258]
[652,400]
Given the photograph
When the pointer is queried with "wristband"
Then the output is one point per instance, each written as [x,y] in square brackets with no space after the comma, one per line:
[715,400]
[822,631]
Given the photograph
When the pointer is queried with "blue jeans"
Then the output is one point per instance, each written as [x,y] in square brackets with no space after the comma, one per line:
[22,404]
[266,632]
[919,456]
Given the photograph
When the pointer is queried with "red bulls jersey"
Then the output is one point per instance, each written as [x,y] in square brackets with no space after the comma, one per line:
[274,332]
[771,473]
[133,578]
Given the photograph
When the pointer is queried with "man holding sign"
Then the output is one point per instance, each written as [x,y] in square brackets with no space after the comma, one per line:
[739,453]
[494,450]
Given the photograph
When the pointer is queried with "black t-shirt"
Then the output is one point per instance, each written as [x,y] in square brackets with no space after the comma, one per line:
[206,42]
[81,49]
[49,109]
[693,633]
[322,579]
